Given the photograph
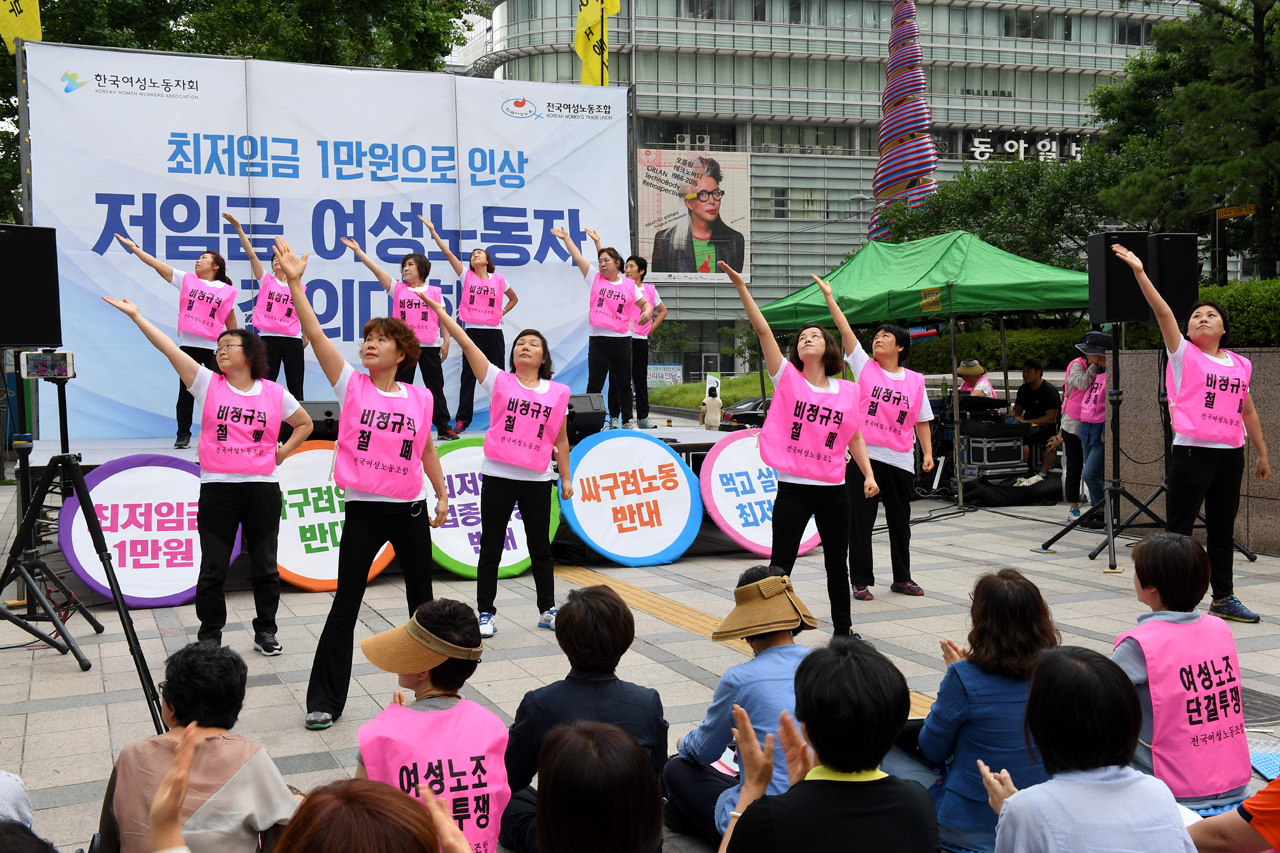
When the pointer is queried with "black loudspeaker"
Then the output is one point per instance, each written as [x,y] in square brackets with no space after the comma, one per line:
[1173,265]
[1113,291]
[324,415]
[31,316]
[586,416]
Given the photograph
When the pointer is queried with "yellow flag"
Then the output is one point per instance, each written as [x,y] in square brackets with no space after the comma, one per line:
[591,41]
[19,19]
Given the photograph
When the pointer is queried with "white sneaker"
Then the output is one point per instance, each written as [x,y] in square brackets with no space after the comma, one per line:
[488,625]
[631,424]
[645,423]
[1031,481]
[548,619]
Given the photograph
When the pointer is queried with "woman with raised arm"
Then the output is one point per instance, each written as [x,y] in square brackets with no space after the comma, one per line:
[206,306]
[275,318]
[811,429]
[433,343]
[240,417]
[484,300]
[384,446]
[609,314]
[896,413]
[526,425]
[1213,414]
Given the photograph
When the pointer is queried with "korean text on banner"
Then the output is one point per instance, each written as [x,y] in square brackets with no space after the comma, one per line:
[591,40]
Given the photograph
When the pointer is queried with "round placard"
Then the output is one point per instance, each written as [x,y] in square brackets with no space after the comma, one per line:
[634,500]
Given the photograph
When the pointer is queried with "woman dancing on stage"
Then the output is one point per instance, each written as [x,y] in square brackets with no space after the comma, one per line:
[526,423]
[1213,414]
[811,423]
[206,306]
[384,445]
[240,417]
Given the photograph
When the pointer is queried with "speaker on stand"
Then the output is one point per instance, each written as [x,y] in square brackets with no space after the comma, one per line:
[324,419]
[1173,265]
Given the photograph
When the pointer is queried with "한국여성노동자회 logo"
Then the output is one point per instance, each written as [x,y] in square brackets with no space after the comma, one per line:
[70,78]
[520,108]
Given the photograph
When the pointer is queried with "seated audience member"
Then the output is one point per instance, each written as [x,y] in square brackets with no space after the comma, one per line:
[238,798]
[1083,714]
[17,837]
[1251,827]
[768,614]
[1173,646]
[1037,403]
[434,654]
[976,383]
[15,804]
[978,713]
[850,702]
[594,628]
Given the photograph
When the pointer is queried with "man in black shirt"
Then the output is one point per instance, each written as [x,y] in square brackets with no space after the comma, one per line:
[1037,404]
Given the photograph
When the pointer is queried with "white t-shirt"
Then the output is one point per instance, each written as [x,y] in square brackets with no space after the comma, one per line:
[200,390]
[1175,362]
[833,387]
[657,300]
[906,459]
[195,341]
[340,388]
[494,468]
[600,331]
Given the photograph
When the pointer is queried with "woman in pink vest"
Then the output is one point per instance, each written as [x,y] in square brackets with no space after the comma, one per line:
[383,448]
[485,298]
[433,343]
[1188,678]
[811,428]
[976,383]
[613,300]
[240,417]
[1213,414]
[895,414]
[1084,414]
[206,306]
[527,424]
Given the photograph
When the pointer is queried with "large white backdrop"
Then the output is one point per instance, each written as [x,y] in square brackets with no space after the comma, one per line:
[158,146]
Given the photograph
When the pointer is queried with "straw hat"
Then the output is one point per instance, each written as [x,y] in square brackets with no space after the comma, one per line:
[970,367]
[764,607]
[412,648]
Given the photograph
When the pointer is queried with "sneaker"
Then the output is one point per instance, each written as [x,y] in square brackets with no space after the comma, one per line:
[1073,513]
[488,625]
[609,423]
[317,720]
[1030,481]
[548,620]
[459,428]
[1231,608]
[907,588]
[447,434]
[862,594]
[645,423]
[631,424]
[182,442]
[267,643]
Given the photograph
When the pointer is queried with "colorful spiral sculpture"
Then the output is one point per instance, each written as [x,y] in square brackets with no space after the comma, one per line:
[907,153]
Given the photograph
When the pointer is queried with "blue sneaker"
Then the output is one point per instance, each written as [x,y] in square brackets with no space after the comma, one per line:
[548,620]
[1073,514]
[1231,608]
[488,625]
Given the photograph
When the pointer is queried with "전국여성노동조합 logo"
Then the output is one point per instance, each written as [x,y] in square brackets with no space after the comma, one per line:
[520,108]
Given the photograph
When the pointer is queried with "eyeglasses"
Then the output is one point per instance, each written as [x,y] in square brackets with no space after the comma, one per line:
[705,195]
[226,347]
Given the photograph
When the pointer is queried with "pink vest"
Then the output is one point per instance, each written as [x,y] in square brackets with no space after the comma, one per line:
[524,425]
[1210,401]
[806,432]
[203,308]
[273,313]
[1090,405]
[611,303]
[891,408]
[458,755]
[982,384]
[410,308]
[1198,745]
[482,298]
[238,433]
[651,294]
[381,439]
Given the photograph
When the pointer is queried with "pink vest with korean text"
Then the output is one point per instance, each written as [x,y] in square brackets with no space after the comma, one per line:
[408,306]
[1210,400]
[523,424]
[982,384]
[1198,745]
[806,432]
[203,308]
[458,755]
[273,313]
[611,303]
[481,301]
[381,439]
[650,294]
[891,408]
[238,433]
[1090,405]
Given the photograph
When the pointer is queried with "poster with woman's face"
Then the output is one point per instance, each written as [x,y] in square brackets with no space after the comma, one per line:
[695,212]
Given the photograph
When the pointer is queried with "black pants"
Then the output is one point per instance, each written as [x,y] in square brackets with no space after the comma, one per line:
[494,347]
[895,489]
[520,822]
[1208,476]
[224,508]
[1074,451]
[695,788]
[639,379]
[186,403]
[288,351]
[369,525]
[829,507]
[498,497]
[610,358]
[433,379]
